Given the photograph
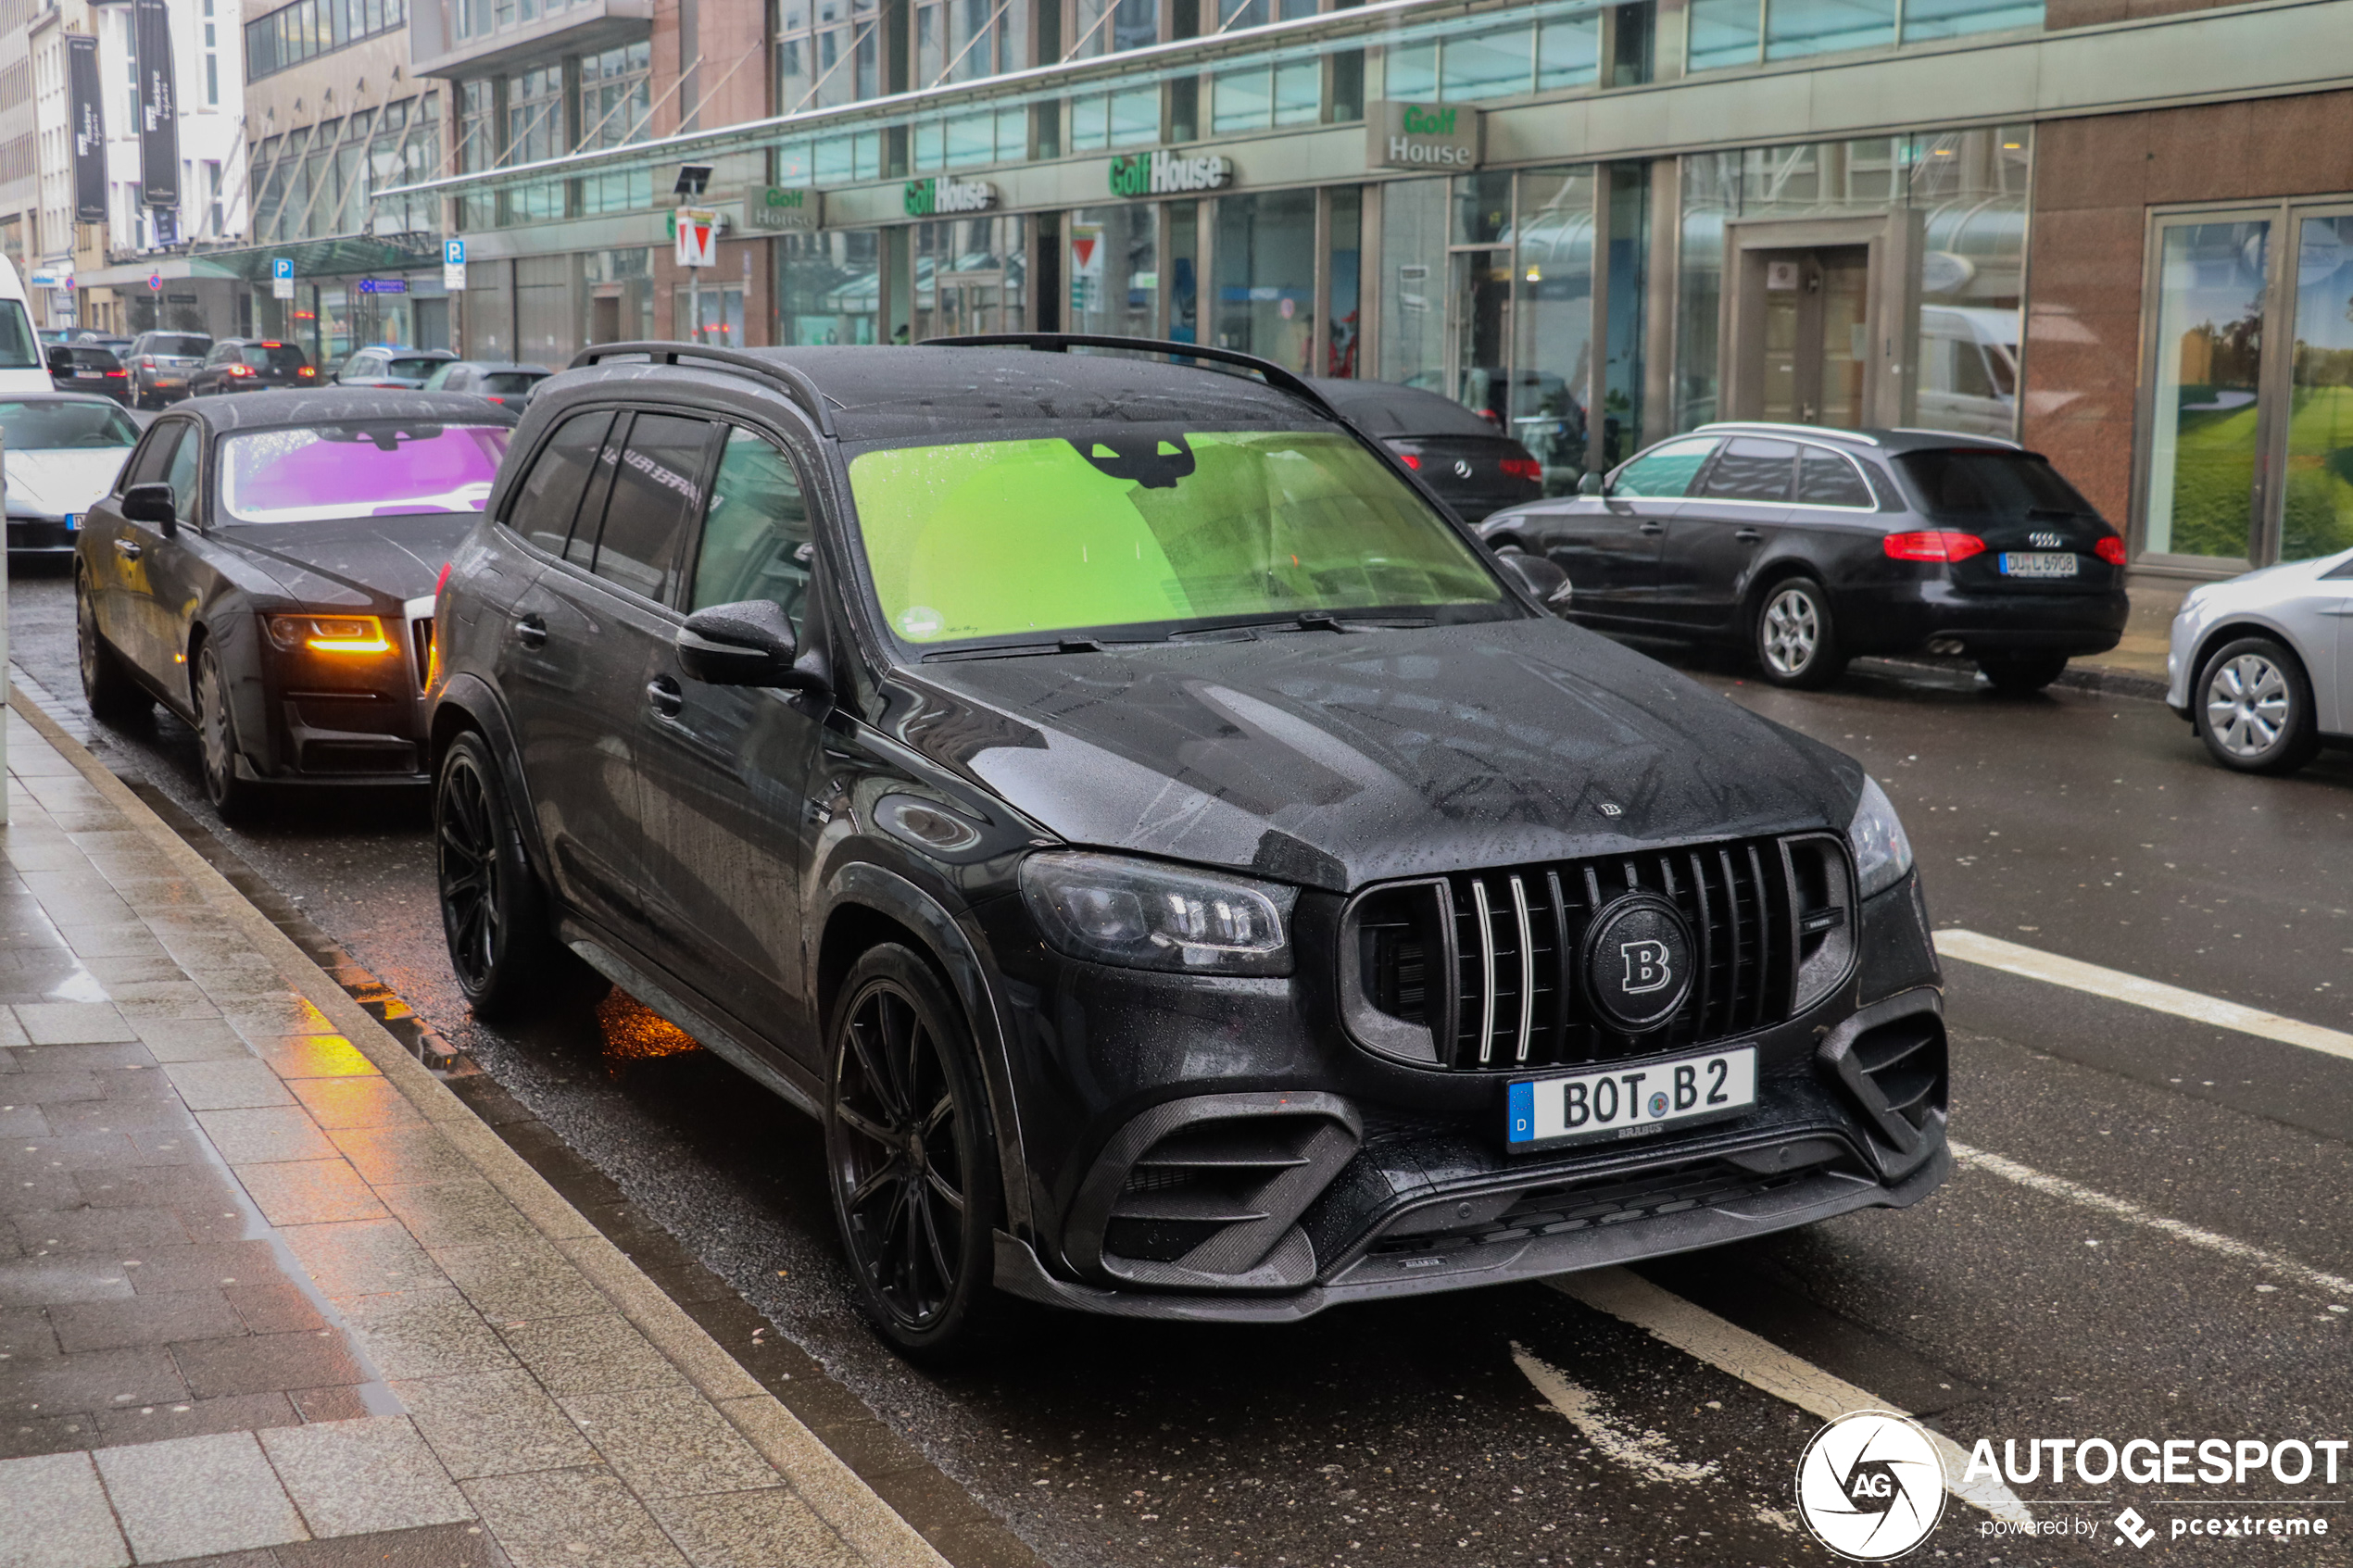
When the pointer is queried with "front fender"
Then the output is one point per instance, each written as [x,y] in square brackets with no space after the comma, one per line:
[865,885]
[466,702]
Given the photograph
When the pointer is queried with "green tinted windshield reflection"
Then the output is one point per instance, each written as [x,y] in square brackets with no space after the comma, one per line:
[990,539]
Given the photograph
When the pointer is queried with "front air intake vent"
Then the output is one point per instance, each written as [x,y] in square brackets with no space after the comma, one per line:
[1208,1192]
[1506,969]
[1893,1061]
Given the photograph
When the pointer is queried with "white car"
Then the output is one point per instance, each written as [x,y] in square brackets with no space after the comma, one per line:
[64,450]
[2261,666]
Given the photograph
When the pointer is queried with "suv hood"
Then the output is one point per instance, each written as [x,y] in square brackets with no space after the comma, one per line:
[1333,760]
[324,564]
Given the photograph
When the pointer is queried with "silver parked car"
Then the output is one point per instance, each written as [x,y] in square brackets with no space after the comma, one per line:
[2261,666]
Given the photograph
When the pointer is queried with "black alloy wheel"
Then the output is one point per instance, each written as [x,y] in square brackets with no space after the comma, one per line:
[493,912]
[2022,674]
[106,686]
[2253,707]
[1794,640]
[232,795]
[908,1151]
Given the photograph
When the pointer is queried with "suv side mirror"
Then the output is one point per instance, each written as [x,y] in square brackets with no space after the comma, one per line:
[1593,484]
[750,644]
[1543,579]
[152,503]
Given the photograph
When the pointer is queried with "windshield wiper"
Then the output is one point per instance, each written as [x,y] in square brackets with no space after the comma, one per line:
[1308,620]
[1018,650]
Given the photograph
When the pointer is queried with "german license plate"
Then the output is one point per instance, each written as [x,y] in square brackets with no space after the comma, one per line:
[1629,1102]
[2039,563]
[90,375]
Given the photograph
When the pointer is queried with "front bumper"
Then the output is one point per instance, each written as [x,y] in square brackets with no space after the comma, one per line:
[1221,1150]
[1906,618]
[39,538]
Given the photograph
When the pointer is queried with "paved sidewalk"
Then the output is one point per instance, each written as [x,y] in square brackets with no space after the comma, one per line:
[271,1295]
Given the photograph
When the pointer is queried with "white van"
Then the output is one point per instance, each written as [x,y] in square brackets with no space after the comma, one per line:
[24,366]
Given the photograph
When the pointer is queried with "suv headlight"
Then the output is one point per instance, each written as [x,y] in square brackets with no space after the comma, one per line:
[1881,852]
[1141,914]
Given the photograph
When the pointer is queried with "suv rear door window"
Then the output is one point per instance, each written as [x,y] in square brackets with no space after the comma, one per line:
[1750,469]
[543,512]
[755,542]
[656,490]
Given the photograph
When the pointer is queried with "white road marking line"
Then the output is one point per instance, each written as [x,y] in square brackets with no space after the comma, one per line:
[1762,1364]
[2132,1213]
[2033,964]
[1646,1454]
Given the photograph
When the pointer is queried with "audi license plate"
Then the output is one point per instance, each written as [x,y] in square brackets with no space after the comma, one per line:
[1629,1102]
[2039,563]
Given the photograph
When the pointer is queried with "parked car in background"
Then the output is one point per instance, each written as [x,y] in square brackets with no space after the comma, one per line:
[501,380]
[408,368]
[2261,666]
[1182,875]
[251,364]
[64,450]
[82,367]
[1809,547]
[24,364]
[264,567]
[97,338]
[160,364]
[1474,468]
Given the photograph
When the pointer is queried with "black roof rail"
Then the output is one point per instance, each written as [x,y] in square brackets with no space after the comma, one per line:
[1059,342]
[796,383]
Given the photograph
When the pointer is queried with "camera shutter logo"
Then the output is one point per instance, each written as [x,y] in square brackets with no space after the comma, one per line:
[1871,1485]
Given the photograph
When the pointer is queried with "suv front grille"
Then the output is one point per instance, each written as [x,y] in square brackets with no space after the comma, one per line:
[1479,970]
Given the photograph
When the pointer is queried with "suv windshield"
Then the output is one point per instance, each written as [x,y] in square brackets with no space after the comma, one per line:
[51,427]
[1149,526]
[380,468]
[275,357]
[1979,485]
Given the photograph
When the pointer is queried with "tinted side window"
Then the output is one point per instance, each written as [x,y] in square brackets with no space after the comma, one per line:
[657,493]
[755,542]
[153,458]
[182,475]
[1750,469]
[1665,471]
[550,494]
[1826,479]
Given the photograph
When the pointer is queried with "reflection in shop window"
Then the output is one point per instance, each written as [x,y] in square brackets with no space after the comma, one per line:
[2317,519]
[1113,265]
[2204,409]
[827,288]
[971,276]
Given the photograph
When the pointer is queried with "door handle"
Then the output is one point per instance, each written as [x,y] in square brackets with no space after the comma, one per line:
[663,694]
[1653,528]
[126,550]
[531,631]
[1747,536]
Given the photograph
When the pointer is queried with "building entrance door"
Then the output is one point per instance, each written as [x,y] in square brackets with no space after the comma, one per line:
[1816,336]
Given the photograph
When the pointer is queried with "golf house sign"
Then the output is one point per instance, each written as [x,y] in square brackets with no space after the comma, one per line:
[1164,173]
[1422,136]
[941,198]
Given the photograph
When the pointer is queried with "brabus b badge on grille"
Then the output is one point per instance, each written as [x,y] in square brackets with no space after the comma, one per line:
[1638,962]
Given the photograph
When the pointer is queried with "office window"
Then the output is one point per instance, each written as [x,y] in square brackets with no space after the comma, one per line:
[966,40]
[828,53]
[615,107]
[212,80]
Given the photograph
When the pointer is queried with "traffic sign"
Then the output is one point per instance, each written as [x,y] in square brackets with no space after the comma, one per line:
[155,282]
[453,253]
[698,237]
[453,266]
[282,277]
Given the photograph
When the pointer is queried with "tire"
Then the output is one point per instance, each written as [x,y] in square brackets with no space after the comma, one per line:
[2022,674]
[107,685]
[495,913]
[909,1157]
[232,796]
[2253,707]
[1793,638]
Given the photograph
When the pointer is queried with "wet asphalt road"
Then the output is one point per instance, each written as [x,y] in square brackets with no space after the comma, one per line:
[1407,1433]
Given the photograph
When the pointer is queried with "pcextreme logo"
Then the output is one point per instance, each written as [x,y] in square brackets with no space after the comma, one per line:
[1871,1486]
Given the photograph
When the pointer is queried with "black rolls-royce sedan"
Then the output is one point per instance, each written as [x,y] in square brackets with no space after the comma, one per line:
[1811,547]
[264,567]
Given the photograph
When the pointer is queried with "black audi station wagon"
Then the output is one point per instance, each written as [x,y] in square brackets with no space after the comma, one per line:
[1184,872]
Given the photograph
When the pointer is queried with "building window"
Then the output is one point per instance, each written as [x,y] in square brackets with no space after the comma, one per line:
[294,33]
[615,107]
[966,39]
[1745,32]
[828,53]
[215,218]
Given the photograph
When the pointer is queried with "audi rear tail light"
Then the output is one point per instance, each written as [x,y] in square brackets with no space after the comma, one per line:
[1933,543]
[2110,550]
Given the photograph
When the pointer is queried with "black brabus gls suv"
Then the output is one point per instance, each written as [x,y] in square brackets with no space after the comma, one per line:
[1185,875]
